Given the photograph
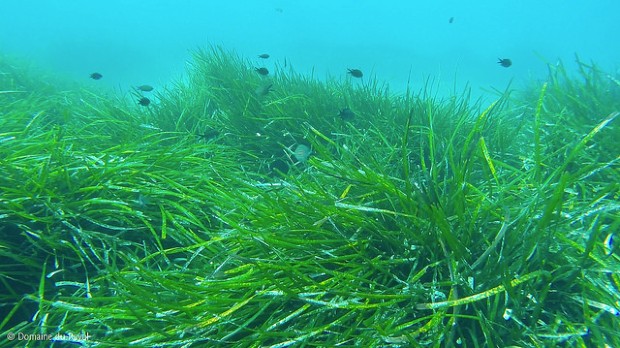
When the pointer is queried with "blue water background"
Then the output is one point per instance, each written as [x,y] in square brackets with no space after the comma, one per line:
[148,42]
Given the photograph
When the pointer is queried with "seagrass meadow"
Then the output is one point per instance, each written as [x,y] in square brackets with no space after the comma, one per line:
[416,221]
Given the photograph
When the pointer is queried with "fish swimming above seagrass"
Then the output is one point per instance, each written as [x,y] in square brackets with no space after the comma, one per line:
[145,88]
[355,73]
[346,114]
[144,101]
[262,71]
[505,62]
[262,91]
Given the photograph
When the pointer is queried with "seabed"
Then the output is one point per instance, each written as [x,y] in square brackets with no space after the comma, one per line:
[200,221]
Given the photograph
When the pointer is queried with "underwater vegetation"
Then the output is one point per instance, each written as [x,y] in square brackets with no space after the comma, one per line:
[232,212]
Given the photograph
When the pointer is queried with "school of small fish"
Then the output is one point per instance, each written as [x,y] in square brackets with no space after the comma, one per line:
[301,152]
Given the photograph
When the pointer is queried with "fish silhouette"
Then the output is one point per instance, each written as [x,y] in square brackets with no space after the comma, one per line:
[355,73]
[505,62]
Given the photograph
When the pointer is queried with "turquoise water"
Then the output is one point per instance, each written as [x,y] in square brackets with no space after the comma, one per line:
[134,42]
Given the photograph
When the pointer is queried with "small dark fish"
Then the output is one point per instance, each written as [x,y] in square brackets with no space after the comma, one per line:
[451,20]
[356,73]
[144,101]
[505,62]
[262,71]
[145,88]
[96,76]
[264,56]
[346,114]
[262,91]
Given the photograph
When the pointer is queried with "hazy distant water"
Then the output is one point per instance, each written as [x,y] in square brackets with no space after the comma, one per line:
[135,42]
